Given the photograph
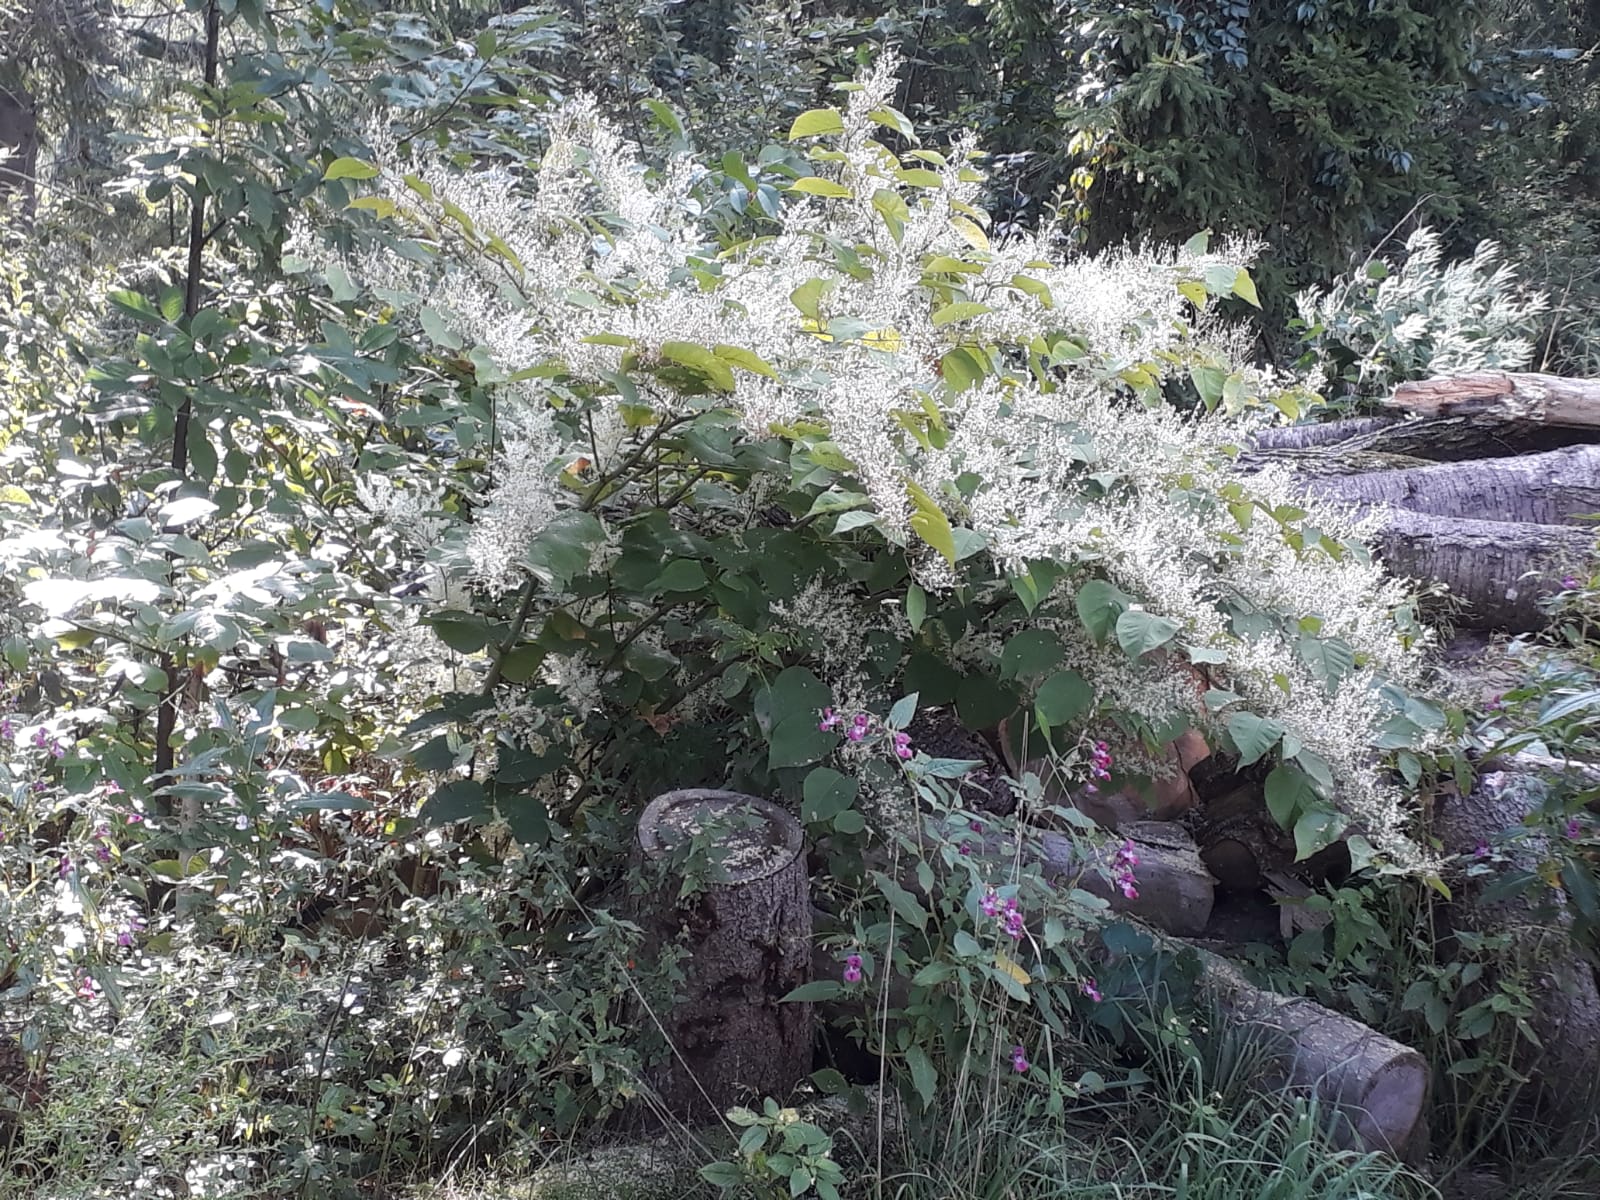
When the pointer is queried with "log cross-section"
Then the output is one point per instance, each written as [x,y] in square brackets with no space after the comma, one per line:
[731,1039]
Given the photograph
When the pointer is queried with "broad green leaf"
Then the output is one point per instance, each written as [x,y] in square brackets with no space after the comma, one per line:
[818,122]
[1029,653]
[1245,288]
[916,606]
[458,800]
[1139,632]
[1065,696]
[930,524]
[1099,604]
[745,360]
[1289,792]
[815,185]
[962,310]
[350,168]
[698,358]
[1317,828]
[1254,736]
[825,794]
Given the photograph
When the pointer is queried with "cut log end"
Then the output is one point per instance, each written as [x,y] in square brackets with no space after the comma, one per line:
[730,1037]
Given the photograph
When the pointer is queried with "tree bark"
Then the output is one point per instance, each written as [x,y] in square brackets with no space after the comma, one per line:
[1554,488]
[1175,891]
[1500,396]
[1566,1016]
[748,934]
[1374,1089]
[1500,569]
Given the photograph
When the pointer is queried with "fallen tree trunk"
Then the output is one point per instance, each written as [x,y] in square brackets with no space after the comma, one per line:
[1554,488]
[1500,569]
[748,932]
[1501,397]
[1375,443]
[1566,1010]
[1173,889]
[1373,1088]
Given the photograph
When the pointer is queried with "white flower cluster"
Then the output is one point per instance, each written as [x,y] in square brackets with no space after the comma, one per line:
[840,308]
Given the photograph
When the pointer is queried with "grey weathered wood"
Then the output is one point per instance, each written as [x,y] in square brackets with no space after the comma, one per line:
[1176,892]
[1526,399]
[1554,488]
[749,942]
[1500,569]
[1374,1089]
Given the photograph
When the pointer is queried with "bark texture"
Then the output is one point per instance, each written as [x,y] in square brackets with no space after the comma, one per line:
[1554,488]
[1566,1017]
[749,940]
[1374,1088]
[1497,396]
[1500,569]
[1175,891]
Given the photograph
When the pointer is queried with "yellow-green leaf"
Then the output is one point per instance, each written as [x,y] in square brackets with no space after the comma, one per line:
[815,185]
[1005,963]
[381,206]
[930,524]
[350,168]
[747,360]
[961,310]
[1194,292]
[12,494]
[919,177]
[971,231]
[816,123]
[698,358]
[1245,288]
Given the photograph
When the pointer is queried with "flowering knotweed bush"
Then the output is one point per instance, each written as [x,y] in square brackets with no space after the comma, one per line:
[864,454]
[1385,324]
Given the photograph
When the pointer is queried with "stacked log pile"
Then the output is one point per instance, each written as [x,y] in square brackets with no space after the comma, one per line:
[1479,484]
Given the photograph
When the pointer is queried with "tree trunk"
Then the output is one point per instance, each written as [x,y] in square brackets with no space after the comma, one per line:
[1376,443]
[1499,396]
[1175,892]
[749,940]
[1566,1015]
[1499,568]
[1373,1089]
[1554,488]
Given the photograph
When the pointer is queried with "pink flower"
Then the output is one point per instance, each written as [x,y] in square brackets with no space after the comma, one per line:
[829,719]
[1574,827]
[852,969]
[975,826]
[902,745]
[990,904]
[1129,891]
[1571,582]
[963,848]
[135,819]
[1481,850]
[1019,1060]
[65,869]
[1088,988]
[1015,927]
[88,989]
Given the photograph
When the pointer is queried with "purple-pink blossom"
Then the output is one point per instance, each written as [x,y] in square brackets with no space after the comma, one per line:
[1019,1059]
[990,904]
[852,969]
[829,719]
[1014,925]
[1481,850]
[1574,827]
[1088,988]
[858,727]
[902,745]
[1571,582]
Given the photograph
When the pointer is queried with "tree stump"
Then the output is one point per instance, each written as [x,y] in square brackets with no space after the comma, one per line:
[748,934]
